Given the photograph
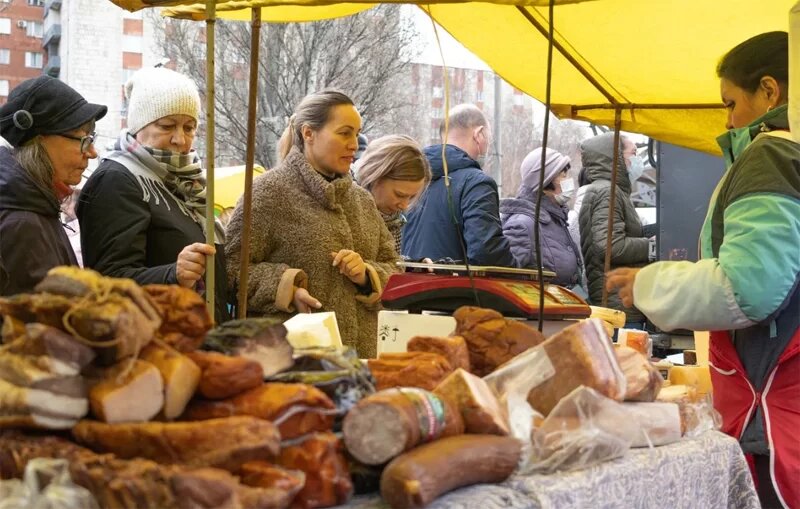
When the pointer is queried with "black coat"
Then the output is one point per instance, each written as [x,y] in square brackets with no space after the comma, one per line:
[32,238]
[137,233]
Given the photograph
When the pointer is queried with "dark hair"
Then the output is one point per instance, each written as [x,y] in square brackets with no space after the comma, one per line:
[766,54]
[314,111]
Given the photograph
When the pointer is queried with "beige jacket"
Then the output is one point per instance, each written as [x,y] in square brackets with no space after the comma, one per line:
[299,218]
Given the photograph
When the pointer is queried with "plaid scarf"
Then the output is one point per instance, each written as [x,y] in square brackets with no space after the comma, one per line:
[181,174]
[395,222]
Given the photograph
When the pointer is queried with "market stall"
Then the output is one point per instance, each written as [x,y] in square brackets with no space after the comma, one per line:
[148,405]
[705,472]
[151,407]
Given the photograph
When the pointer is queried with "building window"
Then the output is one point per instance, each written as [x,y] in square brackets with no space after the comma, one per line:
[5,25]
[33,60]
[5,56]
[3,88]
[34,29]
[37,3]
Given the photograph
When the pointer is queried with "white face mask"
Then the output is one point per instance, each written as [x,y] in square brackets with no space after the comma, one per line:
[635,169]
[567,191]
[481,159]
[568,187]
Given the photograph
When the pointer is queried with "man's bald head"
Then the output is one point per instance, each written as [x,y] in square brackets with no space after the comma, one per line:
[464,117]
[468,129]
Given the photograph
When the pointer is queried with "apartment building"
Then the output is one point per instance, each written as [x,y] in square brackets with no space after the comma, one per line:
[21,33]
[92,45]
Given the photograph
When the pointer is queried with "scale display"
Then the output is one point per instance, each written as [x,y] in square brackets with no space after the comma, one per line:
[517,296]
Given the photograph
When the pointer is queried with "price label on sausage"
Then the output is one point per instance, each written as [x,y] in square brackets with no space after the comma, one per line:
[430,412]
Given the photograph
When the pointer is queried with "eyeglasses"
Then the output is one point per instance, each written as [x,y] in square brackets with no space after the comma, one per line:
[86,141]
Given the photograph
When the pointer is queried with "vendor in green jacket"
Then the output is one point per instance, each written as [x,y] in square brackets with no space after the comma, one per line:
[746,287]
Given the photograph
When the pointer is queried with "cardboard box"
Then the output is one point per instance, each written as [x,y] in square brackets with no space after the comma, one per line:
[395,328]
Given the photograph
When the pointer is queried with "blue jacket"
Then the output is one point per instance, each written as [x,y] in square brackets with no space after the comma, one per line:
[431,232]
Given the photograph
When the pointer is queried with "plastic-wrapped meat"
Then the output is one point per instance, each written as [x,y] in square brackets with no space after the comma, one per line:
[642,379]
[338,372]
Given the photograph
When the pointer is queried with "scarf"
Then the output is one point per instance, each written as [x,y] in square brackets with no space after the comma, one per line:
[395,222]
[179,174]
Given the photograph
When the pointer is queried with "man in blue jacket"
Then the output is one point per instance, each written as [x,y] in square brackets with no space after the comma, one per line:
[438,223]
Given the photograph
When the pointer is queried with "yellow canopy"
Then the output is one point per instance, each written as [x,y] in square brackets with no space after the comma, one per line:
[655,59]
[135,5]
[229,185]
[648,55]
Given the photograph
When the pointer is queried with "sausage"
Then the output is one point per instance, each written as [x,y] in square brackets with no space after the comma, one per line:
[389,422]
[418,477]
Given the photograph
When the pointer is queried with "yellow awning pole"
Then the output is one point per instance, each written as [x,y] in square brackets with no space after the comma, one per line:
[210,219]
[612,201]
[252,110]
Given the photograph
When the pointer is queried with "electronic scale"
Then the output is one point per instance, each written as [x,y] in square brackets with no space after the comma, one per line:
[512,292]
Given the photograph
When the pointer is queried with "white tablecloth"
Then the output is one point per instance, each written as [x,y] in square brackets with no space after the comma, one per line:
[709,471]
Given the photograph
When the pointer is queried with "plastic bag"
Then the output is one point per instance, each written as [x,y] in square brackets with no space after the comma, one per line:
[700,416]
[512,382]
[642,379]
[639,340]
[659,423]
[338,372]
[585,428]
[46,484]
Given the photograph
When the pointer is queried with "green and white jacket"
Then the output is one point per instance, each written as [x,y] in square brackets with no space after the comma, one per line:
[749,243]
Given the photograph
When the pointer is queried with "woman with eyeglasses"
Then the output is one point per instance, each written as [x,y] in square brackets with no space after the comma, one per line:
[559,253]
[50,130]
[142,212]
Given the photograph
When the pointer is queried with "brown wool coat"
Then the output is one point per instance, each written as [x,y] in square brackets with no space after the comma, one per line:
[299,218]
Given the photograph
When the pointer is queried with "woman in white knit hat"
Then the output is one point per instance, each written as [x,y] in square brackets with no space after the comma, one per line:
[142,212]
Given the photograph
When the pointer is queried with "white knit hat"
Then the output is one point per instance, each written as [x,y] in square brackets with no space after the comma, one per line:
[156,92]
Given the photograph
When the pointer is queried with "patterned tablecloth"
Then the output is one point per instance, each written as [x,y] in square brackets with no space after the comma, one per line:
[709,471]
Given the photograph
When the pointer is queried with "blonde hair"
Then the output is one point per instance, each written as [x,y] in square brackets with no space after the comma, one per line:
[395,157]
[314,111]
[33,158]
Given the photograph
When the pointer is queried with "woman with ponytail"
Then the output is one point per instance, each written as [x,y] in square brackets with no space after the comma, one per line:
[318,241]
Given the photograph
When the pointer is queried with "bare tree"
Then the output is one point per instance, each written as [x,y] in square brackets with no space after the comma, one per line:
[362,55]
